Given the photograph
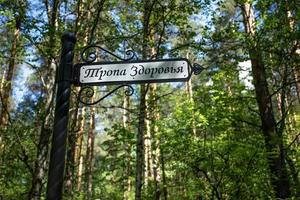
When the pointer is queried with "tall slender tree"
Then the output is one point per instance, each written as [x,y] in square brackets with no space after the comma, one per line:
[48,80]
[273,139]
[19,9]
[147,9]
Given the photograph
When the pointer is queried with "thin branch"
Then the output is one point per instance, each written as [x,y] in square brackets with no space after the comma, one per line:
[294,140]
[249,123]
[282,87]
[284,115]
[99,9]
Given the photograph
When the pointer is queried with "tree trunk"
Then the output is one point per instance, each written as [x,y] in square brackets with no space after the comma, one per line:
[41,162]
[90,155]
[78,153]
[142,108]
[189,92]
[273,140]
[140,145]
[46,128]
[71,151]
[147,142]
[6,86]
[126,126]
[295,53]
[294,173]
[164,181]
[76,129]
[297,81]
[155,144]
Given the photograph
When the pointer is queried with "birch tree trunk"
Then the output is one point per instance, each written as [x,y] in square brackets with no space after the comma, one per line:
[189,92]
[273,139]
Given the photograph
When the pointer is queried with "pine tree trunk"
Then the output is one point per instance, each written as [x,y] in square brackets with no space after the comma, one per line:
[154,117]
[295,53]
[126,126]
[142,108]
[296,73]
[2,129]
[140,145]
[78,152]
[273,140]
[297,81]
[71,150]
[41,161]
[294,173]
[164,181]
[6,86]
[2,82]
[76,122]
[90,155]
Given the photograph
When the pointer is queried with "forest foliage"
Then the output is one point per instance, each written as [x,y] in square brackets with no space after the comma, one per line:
[232,132]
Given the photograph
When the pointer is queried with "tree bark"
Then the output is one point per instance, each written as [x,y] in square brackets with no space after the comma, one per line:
[142,107]
[6,86]
[273,140]
[71,151]
[140,145]
[147,142]
[155,143]
[295,50]
[189,92]
[164,181]
[89,163]
[78,153]
[49,89]
[126,126]
[294,173]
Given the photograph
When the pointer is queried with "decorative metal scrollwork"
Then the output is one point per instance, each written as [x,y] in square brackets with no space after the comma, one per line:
[91,53]
[197,69]
[86,93]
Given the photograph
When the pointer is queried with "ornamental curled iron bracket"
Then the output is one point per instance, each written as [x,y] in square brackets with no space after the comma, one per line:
[86,93]
[89,55]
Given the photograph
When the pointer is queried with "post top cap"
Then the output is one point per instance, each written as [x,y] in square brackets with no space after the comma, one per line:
[68,36]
